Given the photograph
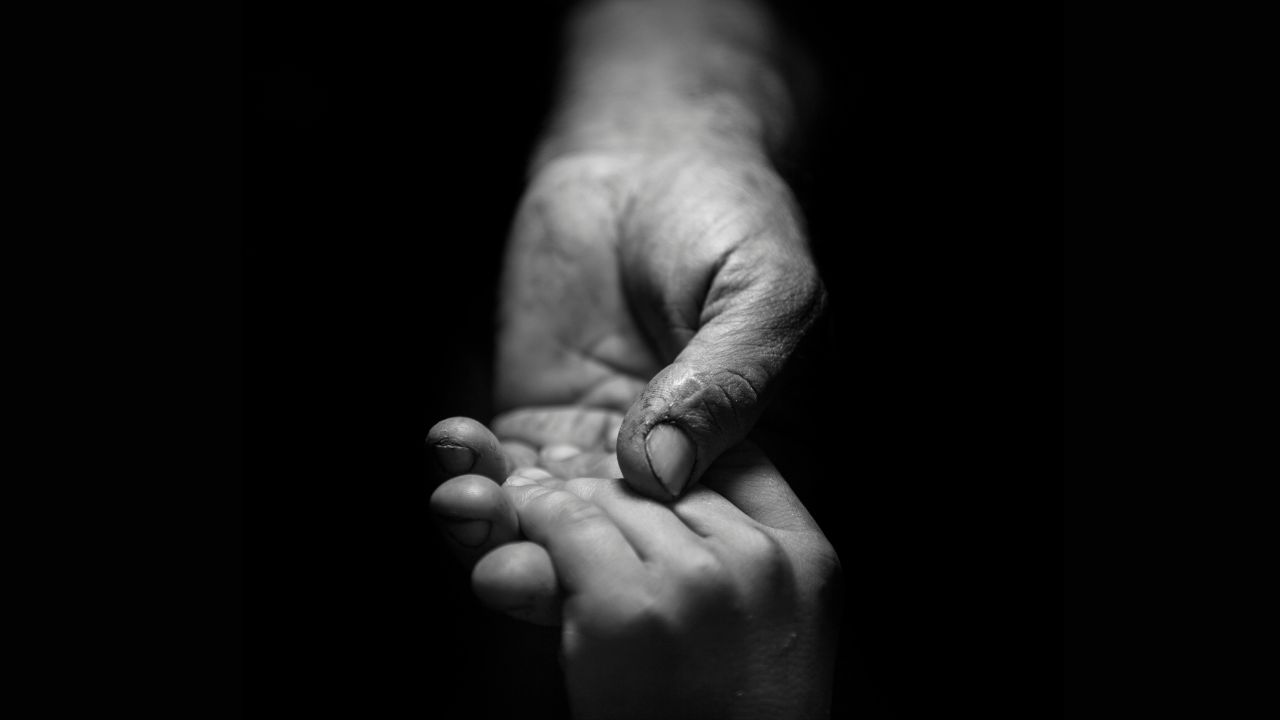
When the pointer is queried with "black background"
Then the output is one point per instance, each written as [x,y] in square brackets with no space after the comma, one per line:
[385,153]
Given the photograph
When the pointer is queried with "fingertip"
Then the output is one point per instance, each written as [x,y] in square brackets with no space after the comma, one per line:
[687,416]
[637,472]
[469,497]
[672,456]
[474,513]
[467,533]
[454,430]
[462,445]
[655,456]
[455,459]
[518,579]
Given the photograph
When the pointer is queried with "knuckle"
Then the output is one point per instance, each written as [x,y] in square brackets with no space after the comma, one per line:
[534,495]
[569,511]
[796,291]
[589,488]
[699,569]
[825,575]
[762,552]
[699,584]
[824,558]
[538,500]
[633,614]
[807,295]
[579,486]
[740,386]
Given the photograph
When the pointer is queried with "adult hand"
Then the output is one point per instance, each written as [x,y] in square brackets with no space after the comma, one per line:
[670,286]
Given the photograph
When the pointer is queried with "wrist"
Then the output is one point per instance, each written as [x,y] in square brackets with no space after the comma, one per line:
[661,77]
[716,130]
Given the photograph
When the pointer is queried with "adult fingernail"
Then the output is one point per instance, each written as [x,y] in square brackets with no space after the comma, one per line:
[455,459]
[467,533]
[671,454]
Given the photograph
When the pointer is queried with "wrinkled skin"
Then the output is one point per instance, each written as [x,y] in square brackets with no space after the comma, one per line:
[719,605]
[641,290]
[669,288]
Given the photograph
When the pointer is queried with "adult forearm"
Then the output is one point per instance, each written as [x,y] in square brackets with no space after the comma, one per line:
[654,75]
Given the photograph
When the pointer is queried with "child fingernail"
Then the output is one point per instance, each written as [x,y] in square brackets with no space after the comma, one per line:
[467,533]
[455,459]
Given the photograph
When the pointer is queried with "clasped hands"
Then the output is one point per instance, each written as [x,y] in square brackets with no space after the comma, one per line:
[649,305]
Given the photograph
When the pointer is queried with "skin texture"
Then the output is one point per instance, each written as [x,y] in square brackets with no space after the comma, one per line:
[657,281]
[658,265]
[672,288]
[719,605]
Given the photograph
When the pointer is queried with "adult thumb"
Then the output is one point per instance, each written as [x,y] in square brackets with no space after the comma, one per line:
[709,398]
